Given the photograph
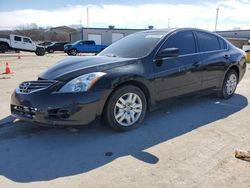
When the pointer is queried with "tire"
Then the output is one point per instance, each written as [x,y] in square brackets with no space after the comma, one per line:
[121,113]
[4,47]
[73,52]
[51,51]
[229,85]
[40,52]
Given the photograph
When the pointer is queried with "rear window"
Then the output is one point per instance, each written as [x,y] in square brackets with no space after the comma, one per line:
[26,40]
[207,42]
[222,43]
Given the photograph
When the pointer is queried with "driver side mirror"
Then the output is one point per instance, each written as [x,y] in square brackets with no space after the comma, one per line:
[168,52]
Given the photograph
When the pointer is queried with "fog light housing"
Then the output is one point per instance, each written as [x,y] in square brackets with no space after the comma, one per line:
[63,114]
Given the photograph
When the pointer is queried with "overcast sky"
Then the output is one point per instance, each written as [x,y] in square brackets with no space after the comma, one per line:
[126,14]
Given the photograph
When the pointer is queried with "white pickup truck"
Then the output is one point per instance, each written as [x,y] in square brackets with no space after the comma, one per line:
[20,43]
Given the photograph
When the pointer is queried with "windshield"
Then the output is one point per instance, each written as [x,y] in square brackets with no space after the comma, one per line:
[134,46]
[76,42]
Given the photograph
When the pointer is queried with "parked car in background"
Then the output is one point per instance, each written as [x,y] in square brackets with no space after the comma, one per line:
[246,48]
[130,77]
[46,43]
[20,43]
[83,46]
[56,46]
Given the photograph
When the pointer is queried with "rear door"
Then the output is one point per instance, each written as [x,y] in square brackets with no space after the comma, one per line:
[214,57]
[90,46]
[61,46]
[57,47]
[178,75]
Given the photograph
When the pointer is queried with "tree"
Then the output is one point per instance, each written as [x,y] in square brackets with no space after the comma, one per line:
[31,30]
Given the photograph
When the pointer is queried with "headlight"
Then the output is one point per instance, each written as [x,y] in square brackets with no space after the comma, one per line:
[82,83]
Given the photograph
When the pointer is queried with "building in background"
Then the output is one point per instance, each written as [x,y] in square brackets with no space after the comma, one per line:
[105,36]
[61,34]
[238,37]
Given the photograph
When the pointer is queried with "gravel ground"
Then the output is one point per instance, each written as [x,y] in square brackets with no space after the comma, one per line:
[189,143]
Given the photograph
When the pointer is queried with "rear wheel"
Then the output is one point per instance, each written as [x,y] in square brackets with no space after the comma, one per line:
[229,85]
[3,47]
[126,108]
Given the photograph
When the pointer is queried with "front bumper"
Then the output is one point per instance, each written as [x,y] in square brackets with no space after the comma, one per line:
[51,108]
[67,50]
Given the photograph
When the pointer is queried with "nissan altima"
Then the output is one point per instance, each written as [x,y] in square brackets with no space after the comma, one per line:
[131,77]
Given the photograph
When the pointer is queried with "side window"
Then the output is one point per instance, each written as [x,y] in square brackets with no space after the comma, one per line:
[184,40]
[222,43]
[89,43]
[16,38]
[26,40]
[207,42]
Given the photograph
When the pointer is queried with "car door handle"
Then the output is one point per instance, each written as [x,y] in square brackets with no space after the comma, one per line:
[196,64]
[226,56]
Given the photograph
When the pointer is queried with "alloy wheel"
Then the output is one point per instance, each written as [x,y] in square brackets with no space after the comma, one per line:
[128,109]
[73,52]
[231,84]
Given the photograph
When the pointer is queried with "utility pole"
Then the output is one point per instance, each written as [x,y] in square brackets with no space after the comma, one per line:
[168,22]
[81,29]
[216,20]
[80,23]
[87,16]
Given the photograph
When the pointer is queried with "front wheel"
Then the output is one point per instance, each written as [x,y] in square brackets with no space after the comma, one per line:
[229,85]
[40,51]
[51,51]
[73,52]
[126,108]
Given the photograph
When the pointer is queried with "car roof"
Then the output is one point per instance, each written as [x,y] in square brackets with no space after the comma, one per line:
[170,30]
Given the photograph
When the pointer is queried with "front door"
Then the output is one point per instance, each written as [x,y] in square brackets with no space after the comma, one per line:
[17,42]
[88,46]
[27,44]
[180,75]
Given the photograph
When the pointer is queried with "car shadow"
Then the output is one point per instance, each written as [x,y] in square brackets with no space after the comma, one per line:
[40,154]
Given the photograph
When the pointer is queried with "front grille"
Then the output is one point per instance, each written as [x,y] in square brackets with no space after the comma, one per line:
[28,112]
[30,86]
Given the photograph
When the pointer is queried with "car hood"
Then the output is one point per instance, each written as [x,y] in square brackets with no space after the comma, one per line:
[67,45]
[72,67]
[40,46]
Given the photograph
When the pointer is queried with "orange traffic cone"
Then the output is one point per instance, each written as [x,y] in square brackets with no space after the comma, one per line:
[7,69]
[18,56]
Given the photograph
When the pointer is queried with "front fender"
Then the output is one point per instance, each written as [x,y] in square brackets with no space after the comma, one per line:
[112,81]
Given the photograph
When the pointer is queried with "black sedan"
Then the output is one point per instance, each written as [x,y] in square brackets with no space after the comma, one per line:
[130,77]
[56,46]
